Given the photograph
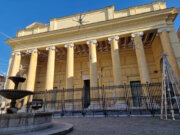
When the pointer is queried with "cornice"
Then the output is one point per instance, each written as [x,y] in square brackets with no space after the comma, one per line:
[144,16]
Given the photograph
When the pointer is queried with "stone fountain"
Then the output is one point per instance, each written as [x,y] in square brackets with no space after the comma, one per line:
[21,123]
[15,94]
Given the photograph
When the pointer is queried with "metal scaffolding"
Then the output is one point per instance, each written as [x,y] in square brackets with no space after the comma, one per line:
[170,90]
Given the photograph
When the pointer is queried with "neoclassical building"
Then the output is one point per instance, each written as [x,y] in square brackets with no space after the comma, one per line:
[96,48]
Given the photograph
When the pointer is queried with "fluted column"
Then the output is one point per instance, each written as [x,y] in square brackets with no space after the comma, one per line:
[15,67]
[69,75]
[115,60]
[50,68]
[168,50]
[32,69]
[141,58]
[9,71]
[93,72]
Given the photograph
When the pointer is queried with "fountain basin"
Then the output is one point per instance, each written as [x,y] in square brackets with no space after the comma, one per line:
[17,79]
[14,94]
[24,122]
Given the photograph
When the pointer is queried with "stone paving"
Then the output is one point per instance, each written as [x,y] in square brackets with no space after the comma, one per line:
[123,126]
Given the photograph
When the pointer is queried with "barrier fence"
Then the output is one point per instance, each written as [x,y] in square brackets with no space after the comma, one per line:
[139,99]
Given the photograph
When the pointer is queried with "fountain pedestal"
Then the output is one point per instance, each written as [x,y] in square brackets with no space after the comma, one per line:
[18,123]
[14,94]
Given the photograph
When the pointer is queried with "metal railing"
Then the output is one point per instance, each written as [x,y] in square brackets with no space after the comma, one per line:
[107,100]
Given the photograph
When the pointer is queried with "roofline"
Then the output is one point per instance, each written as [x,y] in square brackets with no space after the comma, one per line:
[141,5]
[86,12]
[65,30]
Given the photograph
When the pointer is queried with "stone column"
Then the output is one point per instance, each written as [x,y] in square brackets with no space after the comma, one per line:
[141,58]
[69,75]
[32,69]
[93,73]
[15,68]
[31,72]
[119,92]
[9,71]
[168,50]
[115,60]
[50,68]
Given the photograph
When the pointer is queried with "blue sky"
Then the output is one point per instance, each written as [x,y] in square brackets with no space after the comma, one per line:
[17,14]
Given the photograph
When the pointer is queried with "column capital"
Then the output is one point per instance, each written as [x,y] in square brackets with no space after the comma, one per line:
[113,37]
[16,53]
[164,29]
[29,51]
[69,45]
[137,34]
[94,41]
[50,48]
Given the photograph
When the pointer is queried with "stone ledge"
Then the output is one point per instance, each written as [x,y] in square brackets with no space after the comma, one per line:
[58,128]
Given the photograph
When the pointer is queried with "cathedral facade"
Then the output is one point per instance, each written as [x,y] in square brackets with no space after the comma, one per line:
[101,48]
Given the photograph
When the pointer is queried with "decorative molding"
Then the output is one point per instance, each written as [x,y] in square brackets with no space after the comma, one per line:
[29,51]
[137,34]
[123,22]
[69,45]
[50,48]
[13,53]
[16,53]
[164,29]
[113,37]
[94,41]
[85,77]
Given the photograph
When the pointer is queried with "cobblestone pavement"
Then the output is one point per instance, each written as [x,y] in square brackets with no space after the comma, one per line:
[123,126]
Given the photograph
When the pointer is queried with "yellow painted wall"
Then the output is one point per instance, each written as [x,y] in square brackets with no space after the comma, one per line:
[105,75]
[104,65]
[41,76]
[25,65]
[157,54]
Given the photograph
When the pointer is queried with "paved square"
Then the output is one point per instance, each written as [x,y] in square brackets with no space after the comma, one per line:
[123,126]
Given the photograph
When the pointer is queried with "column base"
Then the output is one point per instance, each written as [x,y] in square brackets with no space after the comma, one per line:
[68,107]
[22,110]
[120,105]
[94,106]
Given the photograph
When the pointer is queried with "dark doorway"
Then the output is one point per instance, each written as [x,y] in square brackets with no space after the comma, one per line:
[136,91]
[86,96]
